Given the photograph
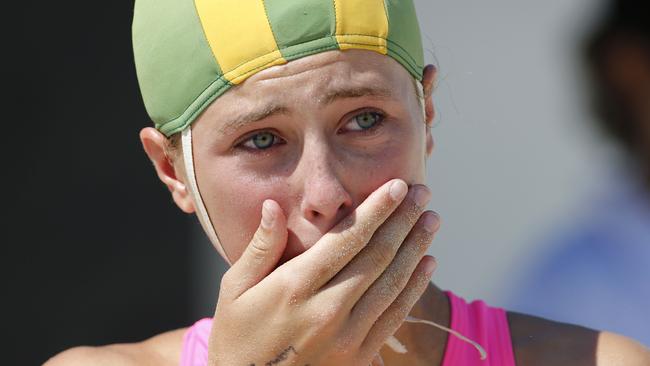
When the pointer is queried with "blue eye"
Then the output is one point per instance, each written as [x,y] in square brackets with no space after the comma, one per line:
[364,121]
[260,141]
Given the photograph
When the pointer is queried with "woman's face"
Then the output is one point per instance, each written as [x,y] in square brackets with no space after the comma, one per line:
[316,135]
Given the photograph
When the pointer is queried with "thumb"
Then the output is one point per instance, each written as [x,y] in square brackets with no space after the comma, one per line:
[263,252]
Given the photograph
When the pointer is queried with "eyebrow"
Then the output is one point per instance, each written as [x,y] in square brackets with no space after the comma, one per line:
[355,92]
[252,116]
[275,109]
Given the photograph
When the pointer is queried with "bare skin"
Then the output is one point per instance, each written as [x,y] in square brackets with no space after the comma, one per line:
[325,171]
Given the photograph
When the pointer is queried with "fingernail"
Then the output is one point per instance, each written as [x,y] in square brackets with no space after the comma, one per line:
[430,266]
[267,215]
[430,221]
[421,195]
[398,190]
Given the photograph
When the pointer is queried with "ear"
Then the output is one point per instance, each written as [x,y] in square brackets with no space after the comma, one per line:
[172,175]
[429,75]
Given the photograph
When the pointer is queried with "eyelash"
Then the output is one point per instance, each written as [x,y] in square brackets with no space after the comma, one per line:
[375,127]
[279,141]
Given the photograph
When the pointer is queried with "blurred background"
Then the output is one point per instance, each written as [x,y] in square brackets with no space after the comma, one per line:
[97,253]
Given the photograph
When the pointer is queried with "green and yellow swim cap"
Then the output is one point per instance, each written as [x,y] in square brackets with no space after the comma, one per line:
[189,52]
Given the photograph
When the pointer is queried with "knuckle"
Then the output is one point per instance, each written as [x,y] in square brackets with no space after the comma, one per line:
[345,346]
[353,238]
[344,342]
[225,281]
[259,247]
[379,256]
[335,312]
[326,319]
[393,283]
[413,214]
[395,321]
[226,285]
[348,342]
[294,288]
[423,239]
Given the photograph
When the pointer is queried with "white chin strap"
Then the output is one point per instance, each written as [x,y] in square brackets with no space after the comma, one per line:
[204,218]
[421,98]
[201,211]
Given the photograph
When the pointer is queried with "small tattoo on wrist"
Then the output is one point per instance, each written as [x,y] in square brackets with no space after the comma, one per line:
[280,357]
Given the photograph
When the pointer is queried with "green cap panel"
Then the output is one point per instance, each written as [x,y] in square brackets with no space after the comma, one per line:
[404,39]
[310,20]
[311,30]
[173,60]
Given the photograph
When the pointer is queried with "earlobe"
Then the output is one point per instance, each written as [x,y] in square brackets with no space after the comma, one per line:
[430,144]
[154,144]
[183,198]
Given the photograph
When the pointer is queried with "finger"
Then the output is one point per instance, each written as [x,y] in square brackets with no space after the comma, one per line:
[390,321]
[372,261]
[377,361]
[262,254]
[392,282]
[338,246]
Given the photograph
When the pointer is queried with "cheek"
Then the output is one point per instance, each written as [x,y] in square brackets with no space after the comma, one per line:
[234,202]
[396,163]
[401,157]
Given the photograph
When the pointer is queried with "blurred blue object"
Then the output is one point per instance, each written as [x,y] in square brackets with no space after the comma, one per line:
[597,273]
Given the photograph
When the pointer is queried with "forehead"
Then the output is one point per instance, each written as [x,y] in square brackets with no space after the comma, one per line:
[317,75]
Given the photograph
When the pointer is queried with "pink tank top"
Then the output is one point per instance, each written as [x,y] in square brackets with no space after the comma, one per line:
[486,325]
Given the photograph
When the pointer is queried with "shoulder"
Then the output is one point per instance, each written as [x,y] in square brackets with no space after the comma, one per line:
[538,341]
[615,350]
[163,349]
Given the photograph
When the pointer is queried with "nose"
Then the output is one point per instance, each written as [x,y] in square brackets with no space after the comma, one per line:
[325,198]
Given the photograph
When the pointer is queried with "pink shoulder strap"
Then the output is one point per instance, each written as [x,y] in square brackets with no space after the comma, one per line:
[487,326]
[195,344]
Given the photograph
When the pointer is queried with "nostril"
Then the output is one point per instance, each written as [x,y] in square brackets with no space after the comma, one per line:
[324,202]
